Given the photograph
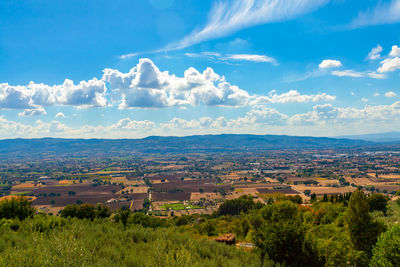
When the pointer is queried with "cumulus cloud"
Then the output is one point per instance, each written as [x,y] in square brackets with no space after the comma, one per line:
[38,129]
[293,96]
[33,112]
[36,96]
[395,52]
[85,94]
[390,94]
[229,16]
[146,86]
[375,53]
[260,119]
[327,113]
[383,13]
[264,115]
[389,65]
[329,63]
[132,125]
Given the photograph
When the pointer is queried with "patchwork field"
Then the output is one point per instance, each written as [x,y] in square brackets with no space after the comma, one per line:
[321,190]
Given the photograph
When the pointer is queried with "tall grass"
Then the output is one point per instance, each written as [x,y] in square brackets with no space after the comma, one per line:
[55,241]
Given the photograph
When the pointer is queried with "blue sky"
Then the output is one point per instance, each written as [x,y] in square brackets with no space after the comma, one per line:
[130,69]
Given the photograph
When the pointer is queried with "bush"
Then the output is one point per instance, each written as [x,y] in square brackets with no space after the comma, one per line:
[86,211]
[16,207]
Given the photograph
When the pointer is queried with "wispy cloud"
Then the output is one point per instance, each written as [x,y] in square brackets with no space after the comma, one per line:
[252,57]
[375,53]
[233,57]
[229,16]
[357,74]
[126,56]
[383,13]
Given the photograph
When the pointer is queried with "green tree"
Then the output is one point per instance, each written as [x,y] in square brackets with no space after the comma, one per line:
[313,197]
[386,253]
[238,205]
[362,229]
[122,215]
[83,211]
[102,211]
[280,234]
[378,202]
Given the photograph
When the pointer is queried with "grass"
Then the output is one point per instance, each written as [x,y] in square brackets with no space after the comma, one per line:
[69,242]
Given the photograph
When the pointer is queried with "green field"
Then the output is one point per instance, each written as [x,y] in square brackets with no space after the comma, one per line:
[179,206]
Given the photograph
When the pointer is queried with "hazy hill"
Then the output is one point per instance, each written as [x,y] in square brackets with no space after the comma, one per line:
[377,137]
[31,148]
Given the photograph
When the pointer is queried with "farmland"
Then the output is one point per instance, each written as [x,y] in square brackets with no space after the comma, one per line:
[199,182]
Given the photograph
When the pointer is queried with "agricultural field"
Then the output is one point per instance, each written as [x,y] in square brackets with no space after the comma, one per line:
[201,180]
[179,206]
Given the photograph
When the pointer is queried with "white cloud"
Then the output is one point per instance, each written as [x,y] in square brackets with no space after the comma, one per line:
[146,86]
[321,120]
[293,96]
[358,74]
[229,16]
[265,115]
[375,53]
[389,65]
[375,75]
[215,56]
[348,73]
[364,99]
[85,94]
[390,94]
[126,56]
[252,57]
[206,54]
[33,112]
[323,114]
[129,125]
[60,115]
[35,96]
[395,52]
[38,129]
[376,94]
[329,63]
[383,13]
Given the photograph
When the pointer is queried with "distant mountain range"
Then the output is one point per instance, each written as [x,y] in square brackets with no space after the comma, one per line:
[377,137]
[55,147]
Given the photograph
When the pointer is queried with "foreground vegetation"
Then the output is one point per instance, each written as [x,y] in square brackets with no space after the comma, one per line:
[54,241]
[356,230]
